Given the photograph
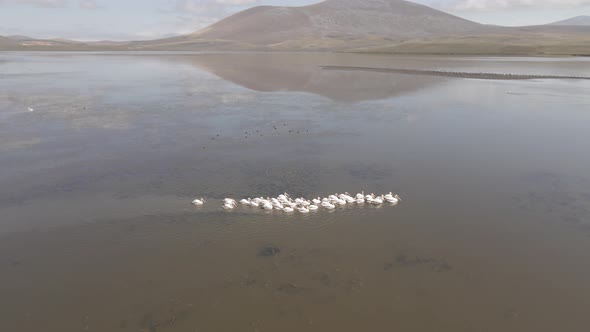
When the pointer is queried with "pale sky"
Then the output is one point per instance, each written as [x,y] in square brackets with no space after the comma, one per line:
[149,19]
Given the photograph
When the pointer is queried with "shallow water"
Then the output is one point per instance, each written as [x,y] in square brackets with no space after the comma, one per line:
[98,234]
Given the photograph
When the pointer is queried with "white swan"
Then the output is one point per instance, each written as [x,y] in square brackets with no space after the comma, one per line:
[199,201]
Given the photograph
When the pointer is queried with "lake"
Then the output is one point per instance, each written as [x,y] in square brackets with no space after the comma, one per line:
[98,233]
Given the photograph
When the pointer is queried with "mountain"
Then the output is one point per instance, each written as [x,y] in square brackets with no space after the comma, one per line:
[25,43]
[372,26]
[19,38]
[8,43]
[338,19]
[583,20]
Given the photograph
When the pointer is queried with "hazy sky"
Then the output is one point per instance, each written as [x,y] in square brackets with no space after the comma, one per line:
[145,19]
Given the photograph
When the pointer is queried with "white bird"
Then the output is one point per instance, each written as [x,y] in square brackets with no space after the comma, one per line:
[31,109]
[378,200]
[303,209]
[392,199]
[288,204]
[346,197]
[285,203]
[229,205]
[199,201]
[328,205]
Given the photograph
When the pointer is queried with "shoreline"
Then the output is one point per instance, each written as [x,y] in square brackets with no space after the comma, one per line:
[482,76]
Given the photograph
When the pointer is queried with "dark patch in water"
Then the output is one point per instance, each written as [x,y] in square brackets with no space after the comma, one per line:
[153,322]
[404,261]
[290,289]
[324,279]
[560,197]
[269,251]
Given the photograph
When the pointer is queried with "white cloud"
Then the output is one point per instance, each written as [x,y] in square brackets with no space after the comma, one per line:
[192,15]
[89,4]
[212,7]
[38,3]
[175,26]
[83,4]
[494,5]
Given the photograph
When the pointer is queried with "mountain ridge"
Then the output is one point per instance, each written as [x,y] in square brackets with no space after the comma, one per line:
[338,18]
[582,20]
[374,26]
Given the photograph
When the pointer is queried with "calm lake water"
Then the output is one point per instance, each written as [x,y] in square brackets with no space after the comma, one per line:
[97,232]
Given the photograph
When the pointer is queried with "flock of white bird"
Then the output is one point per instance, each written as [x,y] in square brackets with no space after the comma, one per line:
[285,203]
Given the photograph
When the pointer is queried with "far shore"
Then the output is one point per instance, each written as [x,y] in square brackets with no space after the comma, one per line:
[481,76]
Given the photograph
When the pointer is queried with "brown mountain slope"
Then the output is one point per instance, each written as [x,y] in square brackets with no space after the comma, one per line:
[388,26]
[583,20]
[339,19]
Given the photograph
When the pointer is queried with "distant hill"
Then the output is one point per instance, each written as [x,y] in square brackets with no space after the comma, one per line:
[583,20]
[373,26]
[8,43]
[338,19]
[19,38]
